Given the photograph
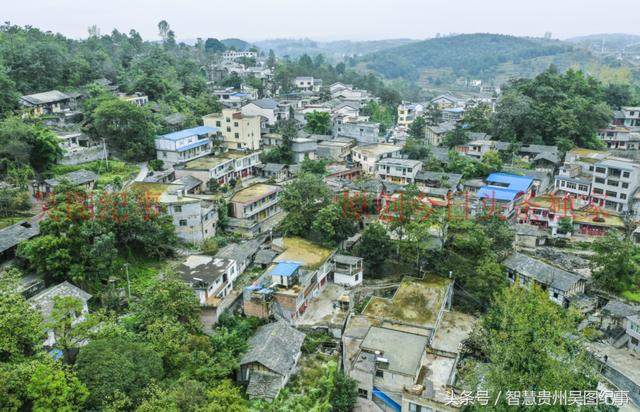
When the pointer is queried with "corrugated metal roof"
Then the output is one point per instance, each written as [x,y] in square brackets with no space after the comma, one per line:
[194,131]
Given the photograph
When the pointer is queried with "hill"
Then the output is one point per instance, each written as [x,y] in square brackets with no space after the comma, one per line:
[333,50]
[475,55]
[236,44]
[606,41]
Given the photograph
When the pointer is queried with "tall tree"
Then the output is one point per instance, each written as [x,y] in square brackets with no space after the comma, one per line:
[416,128]
[615,266]
[375,246]
[302,199]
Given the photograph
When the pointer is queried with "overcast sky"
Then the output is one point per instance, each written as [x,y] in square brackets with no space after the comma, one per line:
[328,19]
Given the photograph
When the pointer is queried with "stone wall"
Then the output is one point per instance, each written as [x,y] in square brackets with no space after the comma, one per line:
[83,156]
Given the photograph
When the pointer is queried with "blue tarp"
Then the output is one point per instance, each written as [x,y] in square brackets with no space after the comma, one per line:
[497,193]
[513,182]
[285,268]
[386,399]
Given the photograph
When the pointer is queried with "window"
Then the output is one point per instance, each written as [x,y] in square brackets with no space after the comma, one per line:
[600,180]
[218,123]
[625,174]
[164,154]
[623,196]
[228,129]
[235,124]
[227,120]
[236,135]
[418,408]
[183,222]
[555,295]
[601,170]
[357,277]
[583,188]
[571,185]
[612,194]
[613,183]
[379,373]
[625,185]
[362,393]
[177,209]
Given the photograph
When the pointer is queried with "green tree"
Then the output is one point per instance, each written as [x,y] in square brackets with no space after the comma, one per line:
[333,225]
[302,199]
[491,162]
[24,144]
[21,329]
[109,366]
[375,246]
[213,46]
[314,166]
[52,388]
[225,397]
[616,264]
[456,137]
[318,122]
[8,93]
[416,128]
[70,333]
[416,149]
[527,341]
[478,118]
[127,128]
[345,393]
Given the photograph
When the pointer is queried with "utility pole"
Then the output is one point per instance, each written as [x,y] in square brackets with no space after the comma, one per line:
[126,269]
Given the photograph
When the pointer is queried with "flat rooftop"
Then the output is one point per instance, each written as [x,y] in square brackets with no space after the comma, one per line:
[377,149]
[301,250]
[210,162]
[417,302]
[253,193]
[153,188]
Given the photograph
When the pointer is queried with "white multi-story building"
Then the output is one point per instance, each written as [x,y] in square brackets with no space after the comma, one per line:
[620,138]
[408,112]
[401,171]
[222,167]
[307,83]
[185,145]
[232,55]
[367,156]
[238,131]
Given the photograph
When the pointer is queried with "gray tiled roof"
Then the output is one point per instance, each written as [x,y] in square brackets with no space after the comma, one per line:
[264,257]
[51,96]
[265,103]
[276,346]
[620,309]
[189,182]
[45,299]
[241,251]
[10,236]
[78,177]
[542,272]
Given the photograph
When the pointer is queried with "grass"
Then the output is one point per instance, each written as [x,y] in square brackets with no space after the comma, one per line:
[142,272]
[10,220]
[107,173]
[416,302]
[632,295]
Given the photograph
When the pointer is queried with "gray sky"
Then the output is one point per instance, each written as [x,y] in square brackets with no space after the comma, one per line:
[328,19]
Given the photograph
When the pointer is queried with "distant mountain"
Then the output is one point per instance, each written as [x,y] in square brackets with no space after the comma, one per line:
[237,44]
[333,50]
[606,42]
[466,55]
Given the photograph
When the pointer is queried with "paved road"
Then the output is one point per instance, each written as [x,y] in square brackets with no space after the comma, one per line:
[144,169]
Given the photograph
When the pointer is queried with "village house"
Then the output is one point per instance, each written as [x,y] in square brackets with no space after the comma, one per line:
[335,149]
[273,353]
[502,194]
[434,135]
[81,179]
[303,148]
[347,270]
[232,55]
[298,274]
[139,99]
[212,279]
[627,116]
[243,253]
[232,98]
[400,171]
[44,302]
[307,83]
[195,217]
[269,109]
[50,102]
[12,235]
[223,168]
[276,171]
[560,284]
[368,156]
[408,112]
[452,114]
[185,145]
[598,177]
[253,207]
[620,138]
[447,101]
[363,132]
[238,131]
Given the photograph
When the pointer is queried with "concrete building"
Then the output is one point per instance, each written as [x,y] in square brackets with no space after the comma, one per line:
[334,149]
[434,135]
[238,131]
[303,148]
[408,112]
[400,171]
[251,206]
[185,145]
[222,168]
[233,55]
[347,270]
[363,132]
[212,279]
[269,109]
[307,83]
[50,102]
[138,99]
[627,116]
[620,138]
[368,156]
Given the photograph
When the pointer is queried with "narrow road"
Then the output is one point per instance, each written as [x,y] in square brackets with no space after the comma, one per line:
[144,169]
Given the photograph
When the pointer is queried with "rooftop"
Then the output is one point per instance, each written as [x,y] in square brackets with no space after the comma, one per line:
[276,346]
[513,182]
[45,299]
[309,254]
[79,177]
[542,272]
[51,96]
[210,162]
[401,162]
[10,236]
[255,192]
[403,350]
[285,268]
[377,149]
[194,131]
[203,269]
[417,302]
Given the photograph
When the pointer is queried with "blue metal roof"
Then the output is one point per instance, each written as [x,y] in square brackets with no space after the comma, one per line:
[285,268]
[513,182]
[497,193]
[239,94]
[454,110]
[192,145]
[194,131]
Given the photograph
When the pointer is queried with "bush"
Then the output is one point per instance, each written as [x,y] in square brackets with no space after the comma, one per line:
[209,247]
[156,164]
